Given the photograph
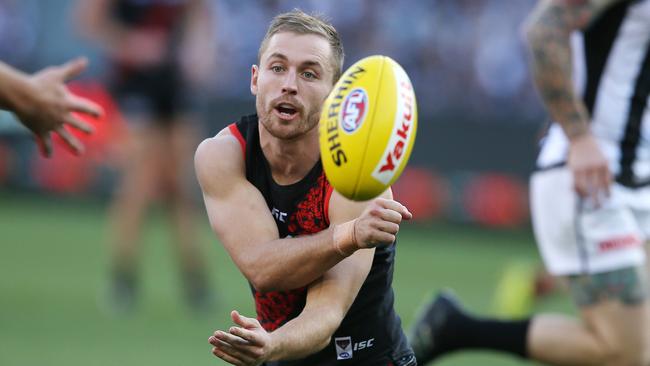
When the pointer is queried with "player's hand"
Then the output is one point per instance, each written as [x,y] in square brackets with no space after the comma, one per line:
[247,344]
[379,223]
[48,105]
[591,176]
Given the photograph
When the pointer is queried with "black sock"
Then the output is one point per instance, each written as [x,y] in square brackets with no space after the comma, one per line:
[463,331]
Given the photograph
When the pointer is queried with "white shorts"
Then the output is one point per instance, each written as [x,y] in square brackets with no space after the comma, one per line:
[576,238]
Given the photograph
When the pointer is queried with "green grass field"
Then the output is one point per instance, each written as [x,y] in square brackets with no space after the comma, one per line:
[53,267]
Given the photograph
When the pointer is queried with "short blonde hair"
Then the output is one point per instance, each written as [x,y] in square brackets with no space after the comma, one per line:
[299,22]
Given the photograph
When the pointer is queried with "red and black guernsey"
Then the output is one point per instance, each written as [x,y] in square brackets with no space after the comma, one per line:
[371,332]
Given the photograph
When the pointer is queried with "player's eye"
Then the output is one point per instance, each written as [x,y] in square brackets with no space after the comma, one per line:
[277,68]
[309,75]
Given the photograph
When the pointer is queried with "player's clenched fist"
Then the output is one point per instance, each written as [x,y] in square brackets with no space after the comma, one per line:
[377,225]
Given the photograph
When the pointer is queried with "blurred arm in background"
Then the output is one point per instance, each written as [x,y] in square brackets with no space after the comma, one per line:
[198,49]
[549,30]
[43,103]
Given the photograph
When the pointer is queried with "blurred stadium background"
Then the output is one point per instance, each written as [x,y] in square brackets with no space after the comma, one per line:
[466,183]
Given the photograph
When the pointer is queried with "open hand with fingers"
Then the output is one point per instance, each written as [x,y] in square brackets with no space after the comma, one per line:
[46,106]
[246,344]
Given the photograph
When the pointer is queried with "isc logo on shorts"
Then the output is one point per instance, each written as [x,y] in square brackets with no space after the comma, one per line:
[353,111]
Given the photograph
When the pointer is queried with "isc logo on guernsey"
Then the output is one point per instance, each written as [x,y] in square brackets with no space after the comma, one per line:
[353,111]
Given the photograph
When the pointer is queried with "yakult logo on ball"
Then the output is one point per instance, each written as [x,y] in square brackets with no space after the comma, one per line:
[353,110]
[402,131]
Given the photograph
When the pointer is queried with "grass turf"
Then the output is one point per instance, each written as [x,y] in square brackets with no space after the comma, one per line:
[53,276]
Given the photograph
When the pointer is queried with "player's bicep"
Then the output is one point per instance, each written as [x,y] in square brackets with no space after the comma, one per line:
[240,218]
[236,209]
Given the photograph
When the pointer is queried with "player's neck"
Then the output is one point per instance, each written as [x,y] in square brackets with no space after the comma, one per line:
[290,160]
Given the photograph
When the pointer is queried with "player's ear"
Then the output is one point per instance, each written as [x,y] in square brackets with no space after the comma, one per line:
[255,70]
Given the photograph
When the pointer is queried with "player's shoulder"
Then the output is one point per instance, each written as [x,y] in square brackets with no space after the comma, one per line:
[219,156]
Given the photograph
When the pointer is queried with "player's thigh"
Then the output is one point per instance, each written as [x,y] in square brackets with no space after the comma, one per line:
[183,138]
[576,237]
[181,141]
[140,162]
[640,202]
[614,307]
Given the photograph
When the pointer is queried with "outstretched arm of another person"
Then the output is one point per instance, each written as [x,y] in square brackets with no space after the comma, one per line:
[44,105]
[548,30]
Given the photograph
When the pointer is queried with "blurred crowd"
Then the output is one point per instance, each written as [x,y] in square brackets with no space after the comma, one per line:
[464,56]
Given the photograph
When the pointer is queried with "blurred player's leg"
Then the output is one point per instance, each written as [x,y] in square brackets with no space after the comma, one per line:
[443,327]
[614,328]
[137,189]
[180,144]
[599,249]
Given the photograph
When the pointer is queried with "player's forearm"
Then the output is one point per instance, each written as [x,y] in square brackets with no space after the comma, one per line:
[328,300]
[304,335]
[296,262]
[549,40]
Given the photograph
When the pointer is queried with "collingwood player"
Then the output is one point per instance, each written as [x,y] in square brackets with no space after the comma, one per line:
[590,196]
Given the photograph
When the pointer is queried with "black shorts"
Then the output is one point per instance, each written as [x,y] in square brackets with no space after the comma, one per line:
[154,94]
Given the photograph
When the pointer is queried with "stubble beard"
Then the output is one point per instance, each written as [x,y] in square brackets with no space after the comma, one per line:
[270,122]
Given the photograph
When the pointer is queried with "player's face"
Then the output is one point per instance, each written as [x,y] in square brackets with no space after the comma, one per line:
[291,83]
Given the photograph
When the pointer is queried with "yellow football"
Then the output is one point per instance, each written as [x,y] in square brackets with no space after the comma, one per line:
[367,128]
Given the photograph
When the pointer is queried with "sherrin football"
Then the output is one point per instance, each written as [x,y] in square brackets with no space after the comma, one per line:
[367,128]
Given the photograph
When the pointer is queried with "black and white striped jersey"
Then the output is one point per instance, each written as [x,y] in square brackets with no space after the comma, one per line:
[612,74]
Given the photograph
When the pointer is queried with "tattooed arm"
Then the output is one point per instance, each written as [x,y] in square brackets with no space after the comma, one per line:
[548,30]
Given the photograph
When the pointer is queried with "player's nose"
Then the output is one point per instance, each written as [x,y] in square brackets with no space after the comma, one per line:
[290,83]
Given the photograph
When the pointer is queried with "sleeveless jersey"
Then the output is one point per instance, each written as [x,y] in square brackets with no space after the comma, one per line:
[612,75]
[370,333]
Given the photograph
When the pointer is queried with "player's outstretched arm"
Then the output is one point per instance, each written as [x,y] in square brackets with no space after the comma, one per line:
[242,221]
[548,30]
[44,105]
[328,300]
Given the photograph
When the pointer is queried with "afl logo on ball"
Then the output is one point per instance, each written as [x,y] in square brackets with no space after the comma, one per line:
[353,110]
